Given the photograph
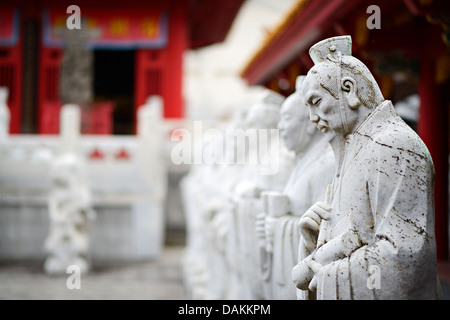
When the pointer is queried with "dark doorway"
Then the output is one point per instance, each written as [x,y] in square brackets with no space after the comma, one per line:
[114,81]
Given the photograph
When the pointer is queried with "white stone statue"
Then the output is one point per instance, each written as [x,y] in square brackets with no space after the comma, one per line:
[313,171]
[5,115]
[262,118]
[207,210]
[373,235]
[248,194]
[70,213]
[265,149]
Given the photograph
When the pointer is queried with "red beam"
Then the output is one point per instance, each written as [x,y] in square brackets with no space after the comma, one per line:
[210,21]
[304,30]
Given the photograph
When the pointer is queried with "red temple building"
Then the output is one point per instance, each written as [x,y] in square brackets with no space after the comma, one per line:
[409,53]
[138,47]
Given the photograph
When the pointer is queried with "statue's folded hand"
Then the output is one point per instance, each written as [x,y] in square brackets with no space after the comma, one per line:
[303,273]
[309,223]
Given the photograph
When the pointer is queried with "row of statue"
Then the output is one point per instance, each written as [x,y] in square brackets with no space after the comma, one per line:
[349,214]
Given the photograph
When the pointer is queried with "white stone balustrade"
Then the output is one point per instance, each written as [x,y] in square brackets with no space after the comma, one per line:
[127,177]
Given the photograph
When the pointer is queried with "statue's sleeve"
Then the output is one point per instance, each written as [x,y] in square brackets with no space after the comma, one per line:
[286,240]
[396,259]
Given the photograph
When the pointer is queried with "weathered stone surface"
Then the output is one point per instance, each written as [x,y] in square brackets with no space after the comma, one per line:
[373,237]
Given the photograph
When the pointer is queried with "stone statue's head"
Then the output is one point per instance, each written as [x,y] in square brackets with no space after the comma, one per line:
[67,171]
[266,113]
[340,90]
[295,128]
[239,119]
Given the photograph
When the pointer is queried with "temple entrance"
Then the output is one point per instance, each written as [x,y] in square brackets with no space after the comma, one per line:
[114,82]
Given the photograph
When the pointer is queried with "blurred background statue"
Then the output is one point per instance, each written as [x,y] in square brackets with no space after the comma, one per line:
[70,213]
[269,173]
[277,227]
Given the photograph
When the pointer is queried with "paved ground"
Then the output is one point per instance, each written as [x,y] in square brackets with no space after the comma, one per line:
[159,279]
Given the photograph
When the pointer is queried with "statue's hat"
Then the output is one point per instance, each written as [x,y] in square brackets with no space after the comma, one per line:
[330,48]
[272,98]
[299,82]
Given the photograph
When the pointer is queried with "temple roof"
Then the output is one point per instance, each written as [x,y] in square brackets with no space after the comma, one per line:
[301,27]
[208,20]
[403,22]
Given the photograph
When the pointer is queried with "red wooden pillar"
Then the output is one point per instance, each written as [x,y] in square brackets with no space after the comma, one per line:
[160,72]
[49,103]
[433,129]
[11,76]
[150,76]
[178,44]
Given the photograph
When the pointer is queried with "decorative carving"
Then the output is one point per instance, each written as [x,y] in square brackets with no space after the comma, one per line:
[70,212]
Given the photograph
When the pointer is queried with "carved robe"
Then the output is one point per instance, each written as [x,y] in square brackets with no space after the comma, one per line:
[246,211]
[306,185]
[382,215]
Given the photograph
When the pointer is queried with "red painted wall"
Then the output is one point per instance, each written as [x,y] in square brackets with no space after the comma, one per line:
[159,72]
[49,103]
[11,77]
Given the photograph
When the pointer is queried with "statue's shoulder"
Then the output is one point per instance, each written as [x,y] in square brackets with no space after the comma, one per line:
[386,128]
[397,139]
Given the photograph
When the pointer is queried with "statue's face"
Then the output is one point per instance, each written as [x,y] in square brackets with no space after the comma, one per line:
[294,124]
[262,117]
[323,107]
